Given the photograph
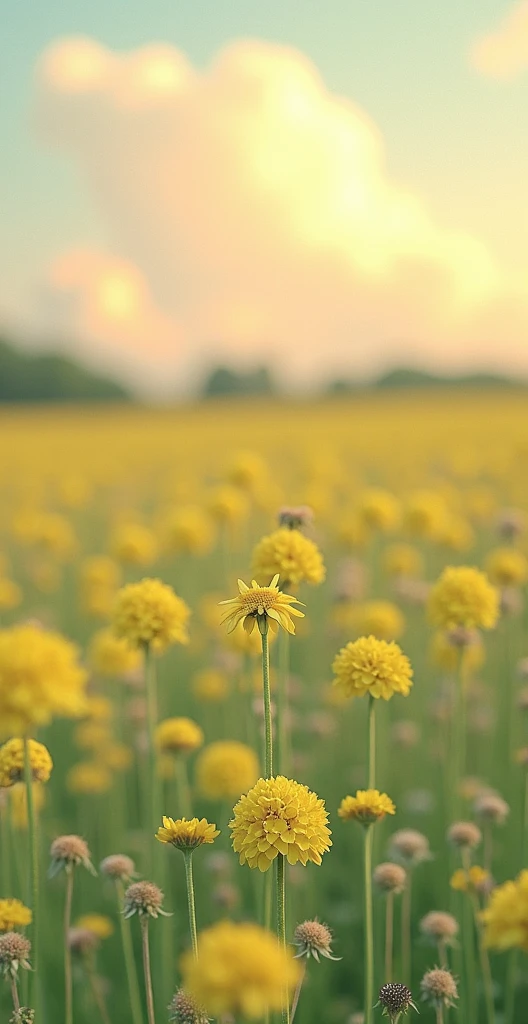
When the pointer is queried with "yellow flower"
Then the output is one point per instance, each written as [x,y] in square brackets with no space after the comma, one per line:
[18,803]
[228,505]
[40,678]
[372,666]
[225,769]
[13,914]
[116,756]
[352,532]
[457,534]
[475,879]
[463,596]
[506,916]
[291,555]
[367,806]
[100,571]
[10,594]
[12,762]
[425,514]
[178,735]
[241,970]
[279,816]
[109,655]
[402,560]
[150,612]
[186,834]
[99,924]
[99,708]
[260,604]
[379,510]
[211,685]
[381,619]
[89,777]
[507,567]
[55,534]
[92,735]
[188,529]
[247,470]
[134,544]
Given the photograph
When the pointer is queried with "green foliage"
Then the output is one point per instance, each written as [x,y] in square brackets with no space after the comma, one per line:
[26,377]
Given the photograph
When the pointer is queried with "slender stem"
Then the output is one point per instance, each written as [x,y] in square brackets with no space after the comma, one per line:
[297,991]
[68,989]
[406,929]
[268,899]
[153,812]
[469,950]
[488,845]
[369,931]
[371,743]
[146,969]
[187,857]
[459,737]
[267,707]
[282,746]
[14,994]
[524,837]
[183,789]
[389,933]
[281,925]
[442,954]
[439,1014]
[484,964]
[34,870]
[511,980]
[95,985]
[130,964]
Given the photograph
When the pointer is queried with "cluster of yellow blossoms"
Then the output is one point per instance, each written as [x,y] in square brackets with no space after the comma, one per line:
[279,816]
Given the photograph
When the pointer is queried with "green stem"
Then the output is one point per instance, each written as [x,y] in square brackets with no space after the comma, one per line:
[389,933]
[371,753]
[153,812]
[14,994]
[524,836]
[282,752]
[511,980]
[97,993]
[406,909]
[128,953]
[297,991]
[442,955]
[459,738]
[369,931]
[281,925]
[34,871]
[439,1014]
[68,989]
[146,968]
[484,963]
[187,857]
[267,706]
[183,789]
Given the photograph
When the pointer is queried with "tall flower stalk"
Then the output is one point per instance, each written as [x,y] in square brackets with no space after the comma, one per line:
[281,924]
[185,836]
[34,874]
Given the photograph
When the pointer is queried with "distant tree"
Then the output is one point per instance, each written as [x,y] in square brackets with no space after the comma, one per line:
[223,381]
[28,377]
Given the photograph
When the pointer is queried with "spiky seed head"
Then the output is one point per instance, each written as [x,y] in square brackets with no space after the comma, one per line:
[464,834]
[118,866]
[395,998]
[143,898]
[183,1010]
[439,988]
[314,939]
[390,877]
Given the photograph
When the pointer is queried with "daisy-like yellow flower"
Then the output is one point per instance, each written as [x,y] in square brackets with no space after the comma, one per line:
[291,555]
[225,768]
[506,916]
[12,762]
[178,736]
[241,969]
[266,606]
[149,612]
[463,596]
[372,666]
[13,914]
[475,879]
[99,924]
[279,815]
[507,567]
[186,833]
[367,806]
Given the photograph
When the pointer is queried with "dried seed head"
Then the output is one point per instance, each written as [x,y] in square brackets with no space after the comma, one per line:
[226,896]
[409,846]
[68,852]
[464,834]
[295,518]
[461,636]
[313,939]
[183,1010]
[390,877]
[23,1016]
[395,998]
[118,866]
[82,940]
[357,1018]
[510,523]
[14,953]
[405,733]
[143,898]
[491,807]
[439,988]
[439,926]
[511,601]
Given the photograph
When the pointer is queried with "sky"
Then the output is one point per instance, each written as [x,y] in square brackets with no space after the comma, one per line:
[331,189]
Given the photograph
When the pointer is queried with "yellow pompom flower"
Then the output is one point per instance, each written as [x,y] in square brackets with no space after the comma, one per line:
[366,807]
[134,544]
[379,510]
[256,604]
[291,556]
[402,560]
[241,969]
[116,756]
[109,655]
[226,768]
[13,914]
[279,815]
[457,534]
[505,918]
[381,619]
[473,880]
[352,533]
[211,685]
[186,834]
[40,678]
[98,924]
[178,736]
[92,735]
[507,567]
[12,762]
[149,612]
[463,596]
[10,594]
[228,505]
[188,529]
[425,514]
[90,777]
[247,470]
[100,571]
[55,535]
[372,666]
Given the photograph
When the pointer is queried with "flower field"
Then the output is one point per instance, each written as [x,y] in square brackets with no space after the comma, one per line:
[264,712]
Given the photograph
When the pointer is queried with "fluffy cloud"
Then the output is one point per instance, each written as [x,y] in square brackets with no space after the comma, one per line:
[250,214]
[503,53]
